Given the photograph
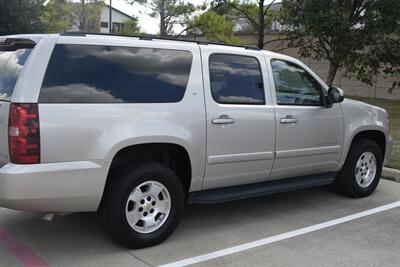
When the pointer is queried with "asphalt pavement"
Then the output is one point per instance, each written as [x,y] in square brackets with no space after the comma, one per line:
[232,228]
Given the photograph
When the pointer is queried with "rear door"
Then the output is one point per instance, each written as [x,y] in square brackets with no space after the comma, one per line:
[240,117]
[13,56]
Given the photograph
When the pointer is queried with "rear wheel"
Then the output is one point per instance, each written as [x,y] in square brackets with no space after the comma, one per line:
[142,205]
[362,170]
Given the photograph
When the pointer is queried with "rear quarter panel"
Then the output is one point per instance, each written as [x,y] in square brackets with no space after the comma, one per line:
[27,86]
[96,132]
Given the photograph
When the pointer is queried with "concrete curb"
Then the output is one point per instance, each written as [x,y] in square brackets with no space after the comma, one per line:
[391,174]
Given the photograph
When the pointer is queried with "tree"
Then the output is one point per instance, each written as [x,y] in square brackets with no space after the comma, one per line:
[214,27]
[131,27]
[169,12]
[20,16]
[55,16]
[361,36]
[85,15]
[220,7]
[63,15]
[258,17]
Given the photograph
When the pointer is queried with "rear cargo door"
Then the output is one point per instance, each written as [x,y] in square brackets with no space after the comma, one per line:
[13,56]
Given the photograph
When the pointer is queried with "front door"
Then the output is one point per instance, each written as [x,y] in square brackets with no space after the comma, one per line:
[240,117]
[309,135]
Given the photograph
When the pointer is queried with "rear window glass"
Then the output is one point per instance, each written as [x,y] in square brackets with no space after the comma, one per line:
[11,64]
[112,74]
[236,79]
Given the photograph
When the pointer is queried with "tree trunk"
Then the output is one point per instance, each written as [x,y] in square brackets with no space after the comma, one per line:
[82,23]
[261,26]
[163,30]
[331,73]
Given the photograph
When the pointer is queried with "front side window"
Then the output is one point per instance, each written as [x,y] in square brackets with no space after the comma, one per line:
[294,85]
[236,79]
[113,74]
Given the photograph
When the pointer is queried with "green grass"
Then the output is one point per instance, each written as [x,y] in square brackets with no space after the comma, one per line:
[393,108]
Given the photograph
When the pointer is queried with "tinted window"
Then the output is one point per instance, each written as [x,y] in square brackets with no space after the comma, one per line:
[105,74]
[236,79]
[294,85]
[11,64]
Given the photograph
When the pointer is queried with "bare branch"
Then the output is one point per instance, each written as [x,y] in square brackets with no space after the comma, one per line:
[279,50]
[275,40]
[268,7]
[186,29]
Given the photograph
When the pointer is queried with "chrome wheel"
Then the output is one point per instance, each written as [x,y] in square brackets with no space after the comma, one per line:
[148,207]
[366,169]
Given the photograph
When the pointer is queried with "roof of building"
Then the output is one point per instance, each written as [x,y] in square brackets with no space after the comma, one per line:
[276,6]
[119,11]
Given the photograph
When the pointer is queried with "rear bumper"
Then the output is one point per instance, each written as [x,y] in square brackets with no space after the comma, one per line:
[52,187]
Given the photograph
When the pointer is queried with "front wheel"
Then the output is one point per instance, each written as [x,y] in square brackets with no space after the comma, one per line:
[142,205]
[362,170]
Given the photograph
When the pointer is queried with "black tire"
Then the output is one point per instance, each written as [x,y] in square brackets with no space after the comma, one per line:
[112,210]
[346,179]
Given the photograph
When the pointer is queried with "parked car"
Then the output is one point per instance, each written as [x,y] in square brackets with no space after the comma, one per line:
[135,128]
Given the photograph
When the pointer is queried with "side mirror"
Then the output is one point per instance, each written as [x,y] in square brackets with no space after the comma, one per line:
[335,95]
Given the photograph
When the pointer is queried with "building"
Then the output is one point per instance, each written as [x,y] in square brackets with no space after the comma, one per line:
[276,26]
[119,19]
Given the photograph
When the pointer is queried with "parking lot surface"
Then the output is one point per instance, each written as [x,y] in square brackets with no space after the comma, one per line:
[78,240]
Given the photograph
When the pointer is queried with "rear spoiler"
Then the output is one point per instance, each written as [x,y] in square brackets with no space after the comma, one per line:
[12,44]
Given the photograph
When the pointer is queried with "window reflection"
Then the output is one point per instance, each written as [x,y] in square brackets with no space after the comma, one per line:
[11,64]
[104,74]
[236,79]
[294,85]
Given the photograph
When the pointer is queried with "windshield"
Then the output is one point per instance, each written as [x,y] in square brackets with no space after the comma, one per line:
[11,64]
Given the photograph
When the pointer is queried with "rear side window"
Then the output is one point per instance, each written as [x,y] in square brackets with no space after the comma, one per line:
[111,74]
[11,64]
[236,79]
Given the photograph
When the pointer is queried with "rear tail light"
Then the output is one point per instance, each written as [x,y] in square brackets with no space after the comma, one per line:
[24,134]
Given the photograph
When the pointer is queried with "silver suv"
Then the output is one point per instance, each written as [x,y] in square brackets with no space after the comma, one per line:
[134,128]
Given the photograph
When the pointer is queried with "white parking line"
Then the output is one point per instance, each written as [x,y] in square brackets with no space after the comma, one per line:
[276,238]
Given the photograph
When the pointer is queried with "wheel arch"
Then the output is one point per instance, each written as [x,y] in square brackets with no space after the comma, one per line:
[377,136]
[172,155]
[347,181]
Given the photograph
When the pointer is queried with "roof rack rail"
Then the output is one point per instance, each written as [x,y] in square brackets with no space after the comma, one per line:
[155,37]
[202,42]
[73,34]
[250,47]
[147,38]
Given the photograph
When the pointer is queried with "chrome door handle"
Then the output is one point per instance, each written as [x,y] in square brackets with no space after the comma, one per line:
[223,119]
[289,119]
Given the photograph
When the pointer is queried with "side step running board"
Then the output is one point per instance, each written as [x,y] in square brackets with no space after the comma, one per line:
[259,189]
